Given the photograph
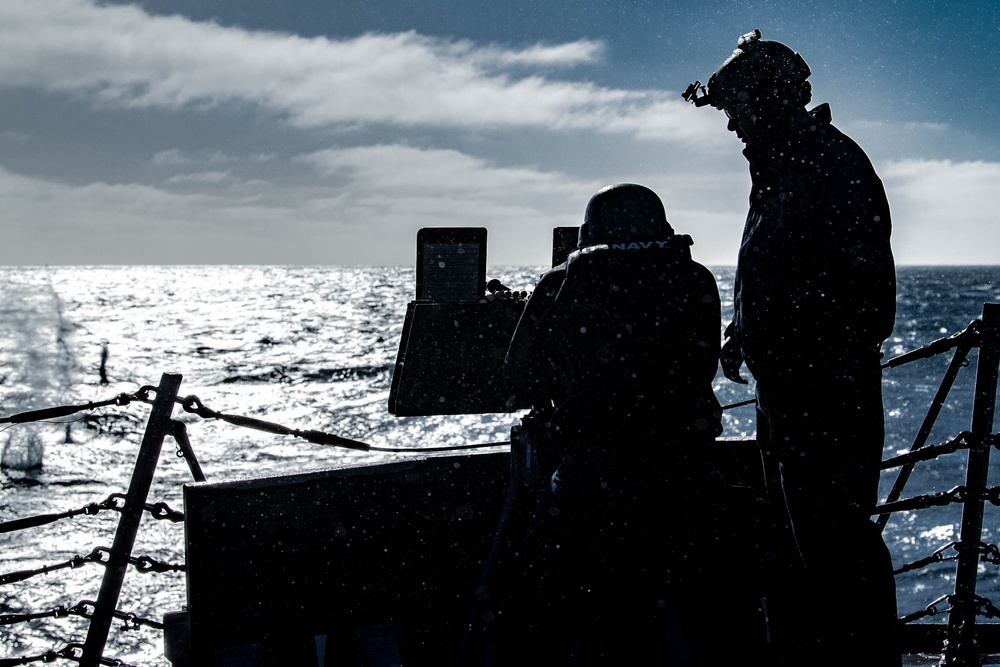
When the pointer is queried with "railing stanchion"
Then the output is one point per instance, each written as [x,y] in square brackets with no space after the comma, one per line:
[158,426]
[960,645]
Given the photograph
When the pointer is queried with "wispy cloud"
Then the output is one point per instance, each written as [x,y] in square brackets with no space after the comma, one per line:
[404,169]
[558,55]
[174,157]
[121,56]
[909,126]
[201,177]
[170,158]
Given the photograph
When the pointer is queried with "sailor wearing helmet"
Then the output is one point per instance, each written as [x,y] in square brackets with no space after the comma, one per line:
[616,351]
[814,299]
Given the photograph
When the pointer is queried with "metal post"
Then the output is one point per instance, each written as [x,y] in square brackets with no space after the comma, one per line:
[179,431]
[960,646]
[157,427]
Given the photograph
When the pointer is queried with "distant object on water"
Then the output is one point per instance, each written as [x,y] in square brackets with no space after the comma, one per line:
[23,449]
[104,362]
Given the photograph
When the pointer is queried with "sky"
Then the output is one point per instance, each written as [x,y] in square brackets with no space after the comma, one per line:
[327,132]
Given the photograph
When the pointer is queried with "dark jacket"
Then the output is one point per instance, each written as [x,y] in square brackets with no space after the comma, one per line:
[623,341]
[815,281]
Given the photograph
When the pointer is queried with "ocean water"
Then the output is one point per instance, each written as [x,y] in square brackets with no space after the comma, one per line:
[314,348]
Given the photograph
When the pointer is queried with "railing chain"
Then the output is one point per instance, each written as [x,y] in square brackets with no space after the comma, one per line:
[83,609]
[963,440]
[46,414]
[159,511]
[72,652]
[194,405]
[75,562]
[929,610]
[956,495]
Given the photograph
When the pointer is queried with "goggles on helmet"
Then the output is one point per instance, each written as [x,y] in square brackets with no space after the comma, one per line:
[753,64]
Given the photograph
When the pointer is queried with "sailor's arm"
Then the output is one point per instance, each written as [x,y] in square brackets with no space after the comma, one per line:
[731,356]
[524,377]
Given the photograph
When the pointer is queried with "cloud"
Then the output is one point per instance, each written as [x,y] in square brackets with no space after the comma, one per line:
[404,188]
[908,126]
[174,157]
[559,55]
[944,212]
[524,106]
[203,177]
[381,196]
[435,172]
[120,56]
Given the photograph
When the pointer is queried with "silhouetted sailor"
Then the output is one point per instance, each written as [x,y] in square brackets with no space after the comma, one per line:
[616,351]
[814,301]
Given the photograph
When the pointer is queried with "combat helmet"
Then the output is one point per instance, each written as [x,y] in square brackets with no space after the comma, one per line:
[754,64]
[624,212]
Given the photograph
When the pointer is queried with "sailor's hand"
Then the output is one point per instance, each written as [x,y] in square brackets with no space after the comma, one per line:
[731,360]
